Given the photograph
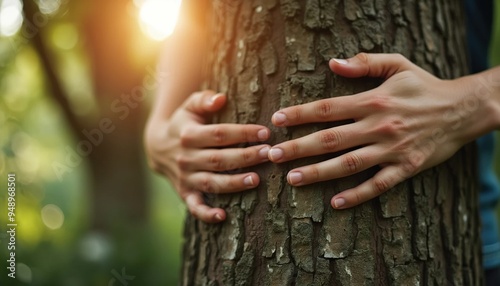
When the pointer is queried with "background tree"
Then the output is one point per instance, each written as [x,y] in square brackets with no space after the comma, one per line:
[85,203]
[271,54]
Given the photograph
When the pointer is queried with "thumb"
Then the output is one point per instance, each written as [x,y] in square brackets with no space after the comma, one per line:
[371,65]
[204,102]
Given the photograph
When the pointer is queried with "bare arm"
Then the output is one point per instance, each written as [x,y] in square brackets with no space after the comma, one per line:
[180,71]
[181,144]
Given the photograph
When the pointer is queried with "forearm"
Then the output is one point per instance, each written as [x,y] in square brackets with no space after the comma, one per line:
[180,70]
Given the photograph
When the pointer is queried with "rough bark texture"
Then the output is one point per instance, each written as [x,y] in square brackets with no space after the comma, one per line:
[271,54]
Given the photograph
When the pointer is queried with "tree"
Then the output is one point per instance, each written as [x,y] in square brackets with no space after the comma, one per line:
[109,137]
[116,130]
[266,55]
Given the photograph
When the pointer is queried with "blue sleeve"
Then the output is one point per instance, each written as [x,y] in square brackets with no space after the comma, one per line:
[479,28]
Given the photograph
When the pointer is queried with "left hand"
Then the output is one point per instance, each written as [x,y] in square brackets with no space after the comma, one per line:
[401,126]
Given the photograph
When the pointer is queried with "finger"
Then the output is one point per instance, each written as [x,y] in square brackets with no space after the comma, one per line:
[204,102]
[342,166]
[372,65]
[208,182]
[224,159]
[325,110]
[217,135]
[321,142]
[198,208]
[385,179]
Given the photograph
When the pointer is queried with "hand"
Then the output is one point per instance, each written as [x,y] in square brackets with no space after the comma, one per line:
[413,121]
[185,149]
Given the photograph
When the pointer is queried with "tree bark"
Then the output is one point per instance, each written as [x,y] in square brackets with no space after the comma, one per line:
[267,55]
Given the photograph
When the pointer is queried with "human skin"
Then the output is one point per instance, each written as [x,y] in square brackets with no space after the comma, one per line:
[411,122]
[180,142]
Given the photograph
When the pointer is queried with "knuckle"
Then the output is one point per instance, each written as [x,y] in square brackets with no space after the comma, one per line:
[402,147]
[380,185]
[232,184]
[182,161]
[330,139]
[205,184]
[182,181]
[357,198]
[312,174]
[296,113]
[185,137]
[247,155]
[363,57]
[413,163]
[379,102]
[351,163]
[216,161]
[294,149]
[323,109]
[219,135]
[246,135]
[392,127]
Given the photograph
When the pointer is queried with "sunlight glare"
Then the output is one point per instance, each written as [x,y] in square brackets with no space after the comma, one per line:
[11,17]
[158,17]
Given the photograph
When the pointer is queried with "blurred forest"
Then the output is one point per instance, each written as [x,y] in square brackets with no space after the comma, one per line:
[76,82]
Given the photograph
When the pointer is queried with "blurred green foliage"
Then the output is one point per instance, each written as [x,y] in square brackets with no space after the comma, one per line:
[33,135]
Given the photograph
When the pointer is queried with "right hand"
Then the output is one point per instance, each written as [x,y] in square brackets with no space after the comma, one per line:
[187,150]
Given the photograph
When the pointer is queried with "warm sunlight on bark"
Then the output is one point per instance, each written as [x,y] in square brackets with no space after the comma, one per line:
[158,17]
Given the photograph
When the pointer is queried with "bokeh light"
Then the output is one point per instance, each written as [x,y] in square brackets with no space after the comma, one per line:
[52,216]
[11,17]
[49,6]
[24,273]
[95,246]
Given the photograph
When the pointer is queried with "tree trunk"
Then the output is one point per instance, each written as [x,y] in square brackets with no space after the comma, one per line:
[119,184]
[267,55]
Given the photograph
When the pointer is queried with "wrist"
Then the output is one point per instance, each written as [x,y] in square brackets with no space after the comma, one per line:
[490,83]
[479,105]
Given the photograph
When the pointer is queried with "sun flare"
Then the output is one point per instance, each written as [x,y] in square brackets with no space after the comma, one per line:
[159,17]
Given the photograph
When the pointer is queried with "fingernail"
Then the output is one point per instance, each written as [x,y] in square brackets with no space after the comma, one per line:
[279,118]
[248,181]
[341,61]
[339,202]
[218,217]
[263,152]
[275,154]
[214,97]
[295,178]
[262,134]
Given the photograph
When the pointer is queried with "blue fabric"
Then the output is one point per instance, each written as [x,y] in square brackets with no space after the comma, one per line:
[479,27]
[488,199]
